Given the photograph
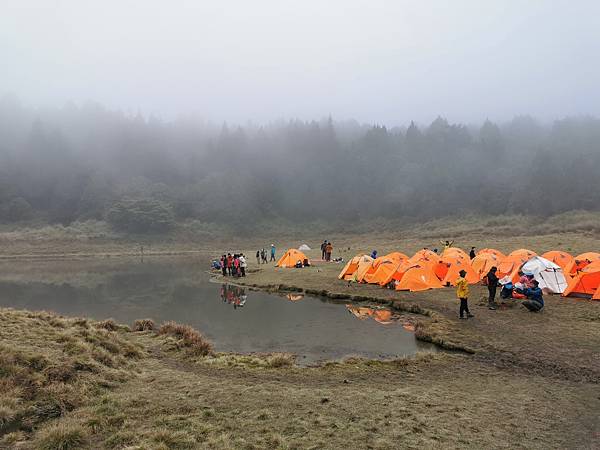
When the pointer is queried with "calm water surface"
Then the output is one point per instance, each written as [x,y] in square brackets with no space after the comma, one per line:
[234,318]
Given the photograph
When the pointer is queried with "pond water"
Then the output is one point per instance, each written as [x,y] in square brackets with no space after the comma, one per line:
[233,318]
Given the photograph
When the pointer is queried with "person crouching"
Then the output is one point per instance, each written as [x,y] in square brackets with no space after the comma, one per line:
[535,299]
[462,292]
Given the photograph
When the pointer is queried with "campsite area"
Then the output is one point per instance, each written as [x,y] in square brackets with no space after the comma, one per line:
[504,379]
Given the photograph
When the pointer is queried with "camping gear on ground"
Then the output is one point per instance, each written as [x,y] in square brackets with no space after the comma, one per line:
[549,275]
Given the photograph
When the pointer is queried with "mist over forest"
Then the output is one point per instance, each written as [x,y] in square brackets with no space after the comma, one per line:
[143,174]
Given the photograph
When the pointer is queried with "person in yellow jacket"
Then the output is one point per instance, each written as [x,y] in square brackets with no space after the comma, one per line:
[462,292]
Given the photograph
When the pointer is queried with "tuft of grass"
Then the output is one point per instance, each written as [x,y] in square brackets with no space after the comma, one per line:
[280,360]
[144,325]
[174,439]
[108,324]
[190,338]
[61,436]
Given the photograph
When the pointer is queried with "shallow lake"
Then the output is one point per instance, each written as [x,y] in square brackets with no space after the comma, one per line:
[233,318]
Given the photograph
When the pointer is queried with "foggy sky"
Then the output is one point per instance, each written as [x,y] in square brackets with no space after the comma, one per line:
[374,61]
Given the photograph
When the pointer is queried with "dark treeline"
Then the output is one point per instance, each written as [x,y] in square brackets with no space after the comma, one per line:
[84,162]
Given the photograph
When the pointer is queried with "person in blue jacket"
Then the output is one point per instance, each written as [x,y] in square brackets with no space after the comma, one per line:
[535,299]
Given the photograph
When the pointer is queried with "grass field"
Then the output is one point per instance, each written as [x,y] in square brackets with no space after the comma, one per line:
[525,380]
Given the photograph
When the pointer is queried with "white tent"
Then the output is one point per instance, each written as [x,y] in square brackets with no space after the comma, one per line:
[549,275]
[304,247]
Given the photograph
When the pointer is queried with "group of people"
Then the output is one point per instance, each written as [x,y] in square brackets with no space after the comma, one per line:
[326,250]
[232,265]
[262,256]
[527,288]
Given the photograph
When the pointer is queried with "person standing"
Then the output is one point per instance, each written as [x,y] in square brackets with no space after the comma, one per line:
[328,251]
[323,247]
[472,253]
[224,265]
[462,292]
[272,252]
[258,257]
[242,264]
[229,263]
[492,284]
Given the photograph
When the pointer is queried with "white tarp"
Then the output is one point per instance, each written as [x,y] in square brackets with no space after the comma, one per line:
[304,247]
[549,275]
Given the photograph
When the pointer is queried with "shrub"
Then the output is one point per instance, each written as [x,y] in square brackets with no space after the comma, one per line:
[61,437]
[108,324]
[143,325]
[190,338]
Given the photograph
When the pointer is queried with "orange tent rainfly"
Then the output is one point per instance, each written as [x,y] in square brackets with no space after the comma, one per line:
[423,255]
[583,260]
[351,267]
[384,268]
[448,270]
[497,253]
[523,253]
[455,251]
[483,262]
[419,277]
[586,283]
[509,266]
[290,258]
[562,259]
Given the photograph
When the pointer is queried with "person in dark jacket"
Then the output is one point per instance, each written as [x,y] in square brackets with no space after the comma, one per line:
[535,298]
[472,253]
[492,284]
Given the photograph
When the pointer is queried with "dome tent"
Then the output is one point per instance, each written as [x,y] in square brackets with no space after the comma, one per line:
[290,258]
[549,275]
[304,248]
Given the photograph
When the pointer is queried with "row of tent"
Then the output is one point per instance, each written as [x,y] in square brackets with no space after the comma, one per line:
[556,271]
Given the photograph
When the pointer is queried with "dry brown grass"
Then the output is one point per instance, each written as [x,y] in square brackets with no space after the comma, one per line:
[191,339]
[144,325]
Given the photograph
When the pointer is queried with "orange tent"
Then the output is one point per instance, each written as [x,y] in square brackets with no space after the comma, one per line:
[581,261]
[509,266]
[483,262]
[290,258]
[419,278]
[497,253]
[585,283]
[385,266]
[455,251]
[347,272]
[365,267]
[562,259]
[448,270]
[523,252]
[424,254]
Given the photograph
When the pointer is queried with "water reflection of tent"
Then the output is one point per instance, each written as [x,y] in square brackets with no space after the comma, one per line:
[295,297]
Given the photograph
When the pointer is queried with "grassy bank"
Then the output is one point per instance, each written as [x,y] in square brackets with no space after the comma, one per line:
[73,383]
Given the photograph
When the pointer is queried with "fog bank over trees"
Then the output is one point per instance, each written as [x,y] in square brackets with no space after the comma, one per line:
[85,162]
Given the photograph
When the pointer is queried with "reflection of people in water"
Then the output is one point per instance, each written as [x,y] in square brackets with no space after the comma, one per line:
[234,295]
